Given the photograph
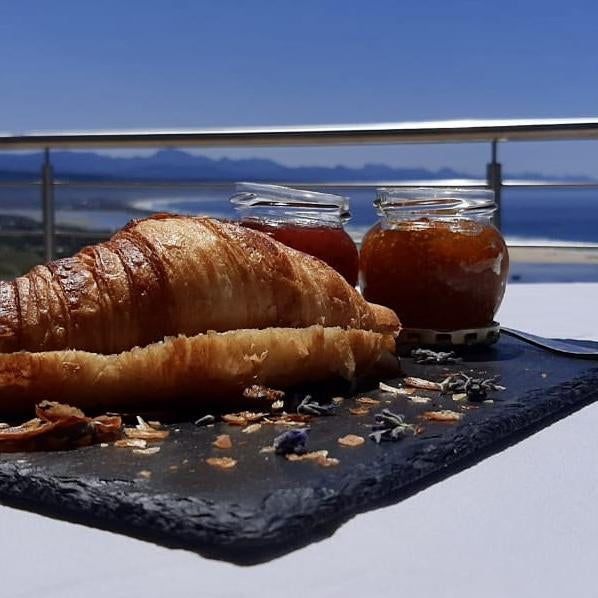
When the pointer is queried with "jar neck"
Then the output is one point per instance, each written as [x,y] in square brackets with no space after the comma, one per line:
[279,205]
[283,215]
[434,205]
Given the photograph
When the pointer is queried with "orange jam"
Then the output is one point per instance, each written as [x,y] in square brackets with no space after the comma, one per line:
[309,221]
[436,274]
[332,245]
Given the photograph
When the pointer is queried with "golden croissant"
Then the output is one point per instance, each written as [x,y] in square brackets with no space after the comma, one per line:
[172,275]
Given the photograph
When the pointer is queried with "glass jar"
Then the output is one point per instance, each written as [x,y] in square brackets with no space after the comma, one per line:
[305,220]
[435,258]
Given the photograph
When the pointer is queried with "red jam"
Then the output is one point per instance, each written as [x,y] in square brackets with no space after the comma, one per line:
[437,275]
[332,245]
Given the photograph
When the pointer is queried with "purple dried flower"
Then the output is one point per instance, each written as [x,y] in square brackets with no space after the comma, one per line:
[291,441]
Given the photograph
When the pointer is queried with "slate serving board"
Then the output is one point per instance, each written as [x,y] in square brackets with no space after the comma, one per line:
[267,506]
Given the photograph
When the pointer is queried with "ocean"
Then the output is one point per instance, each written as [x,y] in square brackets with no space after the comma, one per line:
[529,216]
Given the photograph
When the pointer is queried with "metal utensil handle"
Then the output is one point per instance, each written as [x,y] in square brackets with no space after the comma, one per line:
[559,346]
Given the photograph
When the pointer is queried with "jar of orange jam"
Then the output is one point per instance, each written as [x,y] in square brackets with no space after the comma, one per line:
[305,220]
[435,258]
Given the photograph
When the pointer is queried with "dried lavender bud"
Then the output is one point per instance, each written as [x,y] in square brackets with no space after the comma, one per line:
[394,434]
[377,436]
[476,389]
[390,426]
[309,407]
[206,420]
[388,419]
[291,441]
[427,356]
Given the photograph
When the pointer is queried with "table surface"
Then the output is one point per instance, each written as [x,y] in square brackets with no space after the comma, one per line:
[523,522]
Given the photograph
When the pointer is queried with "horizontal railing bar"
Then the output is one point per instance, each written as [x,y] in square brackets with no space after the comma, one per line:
[407,132]
[473,183]
[533,185]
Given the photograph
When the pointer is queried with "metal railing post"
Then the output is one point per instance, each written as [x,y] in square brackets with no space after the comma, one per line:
[494,178]
[48,206]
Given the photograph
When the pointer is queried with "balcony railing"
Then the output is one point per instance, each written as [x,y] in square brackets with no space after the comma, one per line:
[493,132]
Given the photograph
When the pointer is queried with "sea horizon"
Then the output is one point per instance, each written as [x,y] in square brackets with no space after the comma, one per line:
[529,216]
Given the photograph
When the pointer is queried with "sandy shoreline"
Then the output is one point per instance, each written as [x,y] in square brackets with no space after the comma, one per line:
[554,255]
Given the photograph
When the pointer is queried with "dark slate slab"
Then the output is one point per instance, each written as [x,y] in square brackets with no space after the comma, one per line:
[267,506]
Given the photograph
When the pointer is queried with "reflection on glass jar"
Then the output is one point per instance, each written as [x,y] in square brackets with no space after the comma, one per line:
[435,258]
[305,220]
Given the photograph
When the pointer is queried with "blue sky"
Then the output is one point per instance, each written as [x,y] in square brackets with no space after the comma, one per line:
[130,64]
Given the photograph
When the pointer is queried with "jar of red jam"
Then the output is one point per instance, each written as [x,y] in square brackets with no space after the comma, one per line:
[435,258]
[305,220]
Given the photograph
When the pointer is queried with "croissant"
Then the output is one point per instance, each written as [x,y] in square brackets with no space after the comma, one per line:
[185,309]
[191,372]
[169,275]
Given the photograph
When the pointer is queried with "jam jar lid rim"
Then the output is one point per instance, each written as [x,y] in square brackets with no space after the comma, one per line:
[440,199]
[483,195]
[262,194]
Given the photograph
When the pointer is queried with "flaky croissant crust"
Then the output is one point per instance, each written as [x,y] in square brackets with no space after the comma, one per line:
[169,275]
[192,372]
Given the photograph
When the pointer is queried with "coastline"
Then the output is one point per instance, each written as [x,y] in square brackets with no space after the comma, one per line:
[554,255]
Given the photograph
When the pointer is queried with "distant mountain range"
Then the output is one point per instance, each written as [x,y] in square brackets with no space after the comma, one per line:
[171,165]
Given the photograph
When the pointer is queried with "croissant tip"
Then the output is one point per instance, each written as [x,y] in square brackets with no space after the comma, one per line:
[385,319]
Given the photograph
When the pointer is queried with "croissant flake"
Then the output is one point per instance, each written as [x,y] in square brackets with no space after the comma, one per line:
[59,427]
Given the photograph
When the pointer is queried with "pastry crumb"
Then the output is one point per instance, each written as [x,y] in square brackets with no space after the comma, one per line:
[223,441]
[251,428]
[221,462]
[234,420]
[419,399]
[395,390]
[359,411]
[445,415]
[144,431]
[422,384]
[147,451]
[368,401]
[321,458]
[243,418]
[131,443]
[351,440]
[258,391]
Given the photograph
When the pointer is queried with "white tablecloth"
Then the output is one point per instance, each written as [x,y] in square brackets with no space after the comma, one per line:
[521,523]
